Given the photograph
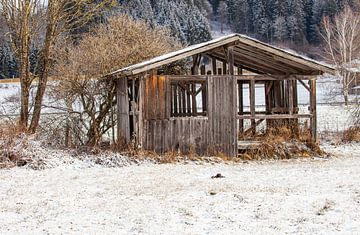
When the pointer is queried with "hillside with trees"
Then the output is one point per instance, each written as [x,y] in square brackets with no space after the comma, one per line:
[291,21]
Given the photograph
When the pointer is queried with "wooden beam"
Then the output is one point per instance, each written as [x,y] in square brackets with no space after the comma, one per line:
[274,116]
[273,77]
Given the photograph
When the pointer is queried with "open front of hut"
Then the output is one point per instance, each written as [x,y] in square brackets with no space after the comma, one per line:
[203,109]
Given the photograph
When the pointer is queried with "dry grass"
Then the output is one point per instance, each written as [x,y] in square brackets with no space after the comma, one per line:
[285,142]
[351,135]
[12,139]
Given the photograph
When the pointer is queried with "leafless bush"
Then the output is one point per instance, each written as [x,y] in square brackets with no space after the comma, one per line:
[88,99]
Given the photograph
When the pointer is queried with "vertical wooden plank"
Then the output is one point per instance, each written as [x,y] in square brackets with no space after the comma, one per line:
[123,111]
[152,100]
[141,113]
[210,101]
[161,97]
[233,119]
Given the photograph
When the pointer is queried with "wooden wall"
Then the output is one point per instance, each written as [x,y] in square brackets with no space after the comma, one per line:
[215,132]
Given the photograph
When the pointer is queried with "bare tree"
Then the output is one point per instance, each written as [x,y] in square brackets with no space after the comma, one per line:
[119,43]
[342,39]
[42,21]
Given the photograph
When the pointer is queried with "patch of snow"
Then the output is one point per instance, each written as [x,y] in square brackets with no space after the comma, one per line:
[315,196]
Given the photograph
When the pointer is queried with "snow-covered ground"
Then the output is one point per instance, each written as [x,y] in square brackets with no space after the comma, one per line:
[78,196]
[312,196]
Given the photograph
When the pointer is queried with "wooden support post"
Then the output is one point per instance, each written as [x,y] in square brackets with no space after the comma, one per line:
[252,104]
[313,119]
[230,60]
[196,64]
[214,66]
[241,101]
[241,107]
[123,111]
[290,96]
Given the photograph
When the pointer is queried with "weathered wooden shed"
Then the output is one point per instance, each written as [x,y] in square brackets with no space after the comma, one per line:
[203,109]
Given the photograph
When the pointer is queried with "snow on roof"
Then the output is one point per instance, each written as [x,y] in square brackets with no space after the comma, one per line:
[274,59]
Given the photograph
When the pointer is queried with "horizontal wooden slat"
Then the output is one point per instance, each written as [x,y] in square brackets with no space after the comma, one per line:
[275,116]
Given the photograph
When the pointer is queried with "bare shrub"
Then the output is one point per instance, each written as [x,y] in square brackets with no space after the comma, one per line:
[88,99]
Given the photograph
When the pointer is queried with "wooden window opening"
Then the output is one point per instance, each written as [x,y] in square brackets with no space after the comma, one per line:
[188,98]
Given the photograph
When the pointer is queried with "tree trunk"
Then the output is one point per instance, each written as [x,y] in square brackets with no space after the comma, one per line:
[346,98]
[43,78]
[24,104]
[24,58]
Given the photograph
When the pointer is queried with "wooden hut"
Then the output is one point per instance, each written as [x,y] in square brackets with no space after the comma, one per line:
[203,109]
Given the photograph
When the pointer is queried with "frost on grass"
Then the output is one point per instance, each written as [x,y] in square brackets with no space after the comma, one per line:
[33,154]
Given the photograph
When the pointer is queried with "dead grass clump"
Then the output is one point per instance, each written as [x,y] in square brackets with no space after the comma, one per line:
[12,140]
[351,135]
[285,142]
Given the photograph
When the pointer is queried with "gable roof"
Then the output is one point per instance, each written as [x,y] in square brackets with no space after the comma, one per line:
[249,53]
